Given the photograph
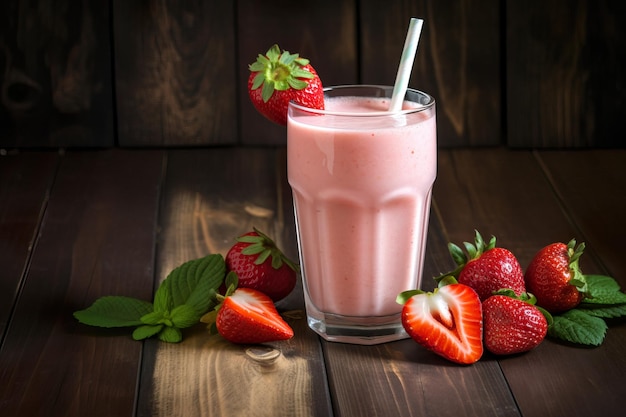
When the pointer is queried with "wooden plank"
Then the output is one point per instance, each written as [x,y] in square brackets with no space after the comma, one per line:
[591,186]
[55,74]
[565,73]
[322,31]
[97,238]
[175,73]
[25,180]
[458,62]
[210,197]
[422,383]
[507,194]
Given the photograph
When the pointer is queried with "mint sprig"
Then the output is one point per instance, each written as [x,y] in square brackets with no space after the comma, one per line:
[188,292]
[585,324]
[114,311]
[578,327]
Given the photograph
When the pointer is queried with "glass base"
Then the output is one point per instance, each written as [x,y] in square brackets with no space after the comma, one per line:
[356,330]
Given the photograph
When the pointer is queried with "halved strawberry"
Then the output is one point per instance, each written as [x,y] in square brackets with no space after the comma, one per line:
[277,78]
[447,321]
[248,316]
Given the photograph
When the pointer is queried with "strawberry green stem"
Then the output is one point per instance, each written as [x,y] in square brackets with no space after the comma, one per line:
[279,71]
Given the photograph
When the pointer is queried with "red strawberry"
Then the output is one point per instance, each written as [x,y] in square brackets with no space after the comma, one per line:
[555,278]
[277,78]
[261,265]
[487,268]
[249,316]
[447,321]
[512,325]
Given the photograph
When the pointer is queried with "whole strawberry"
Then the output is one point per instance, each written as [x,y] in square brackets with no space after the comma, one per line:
[447,321]
[277,78]
[487,268]
[261,265]
[512,325]
[555,278]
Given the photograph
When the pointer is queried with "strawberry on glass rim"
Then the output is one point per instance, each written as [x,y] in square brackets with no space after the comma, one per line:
[277,78]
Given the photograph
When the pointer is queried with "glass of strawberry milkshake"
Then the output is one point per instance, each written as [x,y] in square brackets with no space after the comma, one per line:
[362,179]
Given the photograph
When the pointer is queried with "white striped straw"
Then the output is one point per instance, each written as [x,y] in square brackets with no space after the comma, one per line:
[406,64]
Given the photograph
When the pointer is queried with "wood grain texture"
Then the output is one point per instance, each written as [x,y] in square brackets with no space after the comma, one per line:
[175,72]
[458,61]
[55,74]
[323,31]
[566,73]
[96,239]
[25,181]
[591,186]
[508,194]
[498,193]
[417,381]
[595,209]
[210,197]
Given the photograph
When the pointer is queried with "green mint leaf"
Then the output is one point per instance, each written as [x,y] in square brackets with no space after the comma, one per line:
[612,298]
[601,283]
[163,301]
[146,331]
[171,335]
[194,282]
[578,327]
[184,316]
[114,311]
[607,311]
[604,290]
[154,317]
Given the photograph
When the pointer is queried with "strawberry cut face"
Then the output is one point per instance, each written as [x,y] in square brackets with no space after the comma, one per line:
[249,316]
[447,321]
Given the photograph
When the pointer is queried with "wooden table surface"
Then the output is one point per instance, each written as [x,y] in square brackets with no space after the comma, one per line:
[78,225]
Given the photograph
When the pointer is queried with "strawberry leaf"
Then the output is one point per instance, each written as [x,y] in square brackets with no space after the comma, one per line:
[457,254]
[404,296]
[114,311]
[267,91]
[258,80]
[296,84]
[576,326]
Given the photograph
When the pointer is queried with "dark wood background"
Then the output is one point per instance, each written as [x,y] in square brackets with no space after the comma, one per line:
[137,73]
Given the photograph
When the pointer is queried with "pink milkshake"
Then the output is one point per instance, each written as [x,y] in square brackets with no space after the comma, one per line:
[361,180]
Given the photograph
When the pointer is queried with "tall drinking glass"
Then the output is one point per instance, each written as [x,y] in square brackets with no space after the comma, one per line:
[362,181]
